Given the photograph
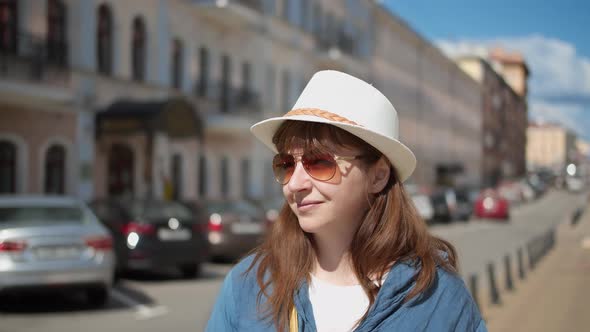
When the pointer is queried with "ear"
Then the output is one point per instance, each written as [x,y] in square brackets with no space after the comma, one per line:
[379,176]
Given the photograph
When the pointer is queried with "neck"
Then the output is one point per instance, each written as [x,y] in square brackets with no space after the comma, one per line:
[333,258]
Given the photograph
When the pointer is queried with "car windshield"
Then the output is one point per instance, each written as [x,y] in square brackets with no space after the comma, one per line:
[40,215]
[153,211]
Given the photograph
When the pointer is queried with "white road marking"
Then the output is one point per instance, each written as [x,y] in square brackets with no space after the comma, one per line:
[142,311]
[586,242]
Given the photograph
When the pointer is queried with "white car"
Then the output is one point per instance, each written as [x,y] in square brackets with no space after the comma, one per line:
[54,242]
[424,206]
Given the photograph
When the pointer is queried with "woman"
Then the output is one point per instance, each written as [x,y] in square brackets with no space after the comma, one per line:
[348,251]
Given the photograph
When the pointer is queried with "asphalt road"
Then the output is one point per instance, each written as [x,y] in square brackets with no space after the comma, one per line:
[166,302]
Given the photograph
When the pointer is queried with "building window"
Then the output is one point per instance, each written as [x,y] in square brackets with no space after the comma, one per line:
[286,10]
[203,71]
[202,176]
[286,92]
[7,167]
[246,93]
[317,20]
[176,177]
[245,169]
[57,45]
[104,40]
[305,15]
[55,170]
[224,177]
[8,26]
[270,87]
[176,65]
[138,50]
[225,83]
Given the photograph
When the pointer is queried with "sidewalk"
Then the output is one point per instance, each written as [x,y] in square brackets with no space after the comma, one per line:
[555,297]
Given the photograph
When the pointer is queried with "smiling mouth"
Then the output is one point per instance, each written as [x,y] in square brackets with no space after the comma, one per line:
[308,204]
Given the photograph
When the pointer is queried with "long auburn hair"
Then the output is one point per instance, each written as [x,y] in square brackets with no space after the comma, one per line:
[391,231]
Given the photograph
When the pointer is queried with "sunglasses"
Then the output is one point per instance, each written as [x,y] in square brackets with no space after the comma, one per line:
[321,167]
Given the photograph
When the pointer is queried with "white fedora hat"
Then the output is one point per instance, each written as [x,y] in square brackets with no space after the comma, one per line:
[344,101]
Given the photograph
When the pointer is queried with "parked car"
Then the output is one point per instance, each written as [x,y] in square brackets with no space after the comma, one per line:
[465,197]
[272,207]
[424,206]
[511,191]
[235,227]
[54,242]
[574,183]
[151,234]
[444,206]
[491,205]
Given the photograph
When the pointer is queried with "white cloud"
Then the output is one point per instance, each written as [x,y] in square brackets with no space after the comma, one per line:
[556,68]
[559,84]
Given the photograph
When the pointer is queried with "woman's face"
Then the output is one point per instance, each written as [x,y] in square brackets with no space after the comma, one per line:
[335,206]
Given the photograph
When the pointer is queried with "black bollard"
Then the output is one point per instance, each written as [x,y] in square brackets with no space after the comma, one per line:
[508,270]
[520,262]
[494,294]
[531,255]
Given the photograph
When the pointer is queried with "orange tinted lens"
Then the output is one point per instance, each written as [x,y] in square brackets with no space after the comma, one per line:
[283,166]
[320,167]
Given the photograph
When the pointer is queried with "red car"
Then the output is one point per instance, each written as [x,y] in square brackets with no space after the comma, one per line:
[490,204]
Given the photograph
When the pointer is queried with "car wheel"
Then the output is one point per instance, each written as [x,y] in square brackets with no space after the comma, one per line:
[190,270]
[97,296]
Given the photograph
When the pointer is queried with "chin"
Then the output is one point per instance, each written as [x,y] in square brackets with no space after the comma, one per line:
[309,225]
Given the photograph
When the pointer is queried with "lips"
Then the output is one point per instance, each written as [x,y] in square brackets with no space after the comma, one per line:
[308,204]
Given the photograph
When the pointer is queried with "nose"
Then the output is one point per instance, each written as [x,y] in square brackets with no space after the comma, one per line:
[300,180]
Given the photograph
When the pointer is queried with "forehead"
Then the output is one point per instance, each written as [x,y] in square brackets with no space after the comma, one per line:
[316,139]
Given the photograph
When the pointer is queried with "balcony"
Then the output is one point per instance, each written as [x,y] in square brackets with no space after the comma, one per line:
[228,109]
[239,12]
[35,59]
[338,52]
[34,71]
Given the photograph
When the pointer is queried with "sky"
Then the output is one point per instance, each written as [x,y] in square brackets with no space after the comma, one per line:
[553,36]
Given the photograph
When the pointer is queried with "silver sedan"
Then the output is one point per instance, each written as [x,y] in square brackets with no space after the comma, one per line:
[54,242]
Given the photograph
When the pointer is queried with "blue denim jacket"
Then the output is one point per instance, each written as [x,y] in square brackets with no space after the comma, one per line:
[446,306]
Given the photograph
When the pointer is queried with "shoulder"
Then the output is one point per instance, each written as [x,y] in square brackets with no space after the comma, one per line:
[243,275]
[451,286]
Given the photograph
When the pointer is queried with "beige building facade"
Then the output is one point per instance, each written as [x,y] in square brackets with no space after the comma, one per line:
[551,147]
[439,106]
[155,98]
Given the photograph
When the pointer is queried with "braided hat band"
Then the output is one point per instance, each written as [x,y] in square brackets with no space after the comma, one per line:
[322,114]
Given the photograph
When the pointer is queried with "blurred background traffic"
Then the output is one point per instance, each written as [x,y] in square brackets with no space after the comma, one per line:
[129,180]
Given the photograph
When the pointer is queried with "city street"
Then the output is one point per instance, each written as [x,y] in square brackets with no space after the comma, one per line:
[165,302]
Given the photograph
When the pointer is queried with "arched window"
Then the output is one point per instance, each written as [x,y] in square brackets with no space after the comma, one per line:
[7,167]
[8,26]
[203,71]
[55,162]
[104,40]
[176,63]
[138,49]
[57,45]
[225,83]
[121,173]
[202,176]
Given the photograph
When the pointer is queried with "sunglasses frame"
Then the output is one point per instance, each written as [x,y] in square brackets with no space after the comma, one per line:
[299,159]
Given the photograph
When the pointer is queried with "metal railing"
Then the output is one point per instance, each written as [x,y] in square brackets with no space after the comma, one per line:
[228,99]
[34,58]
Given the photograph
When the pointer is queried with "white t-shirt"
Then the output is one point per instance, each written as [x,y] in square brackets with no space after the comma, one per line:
[336,308]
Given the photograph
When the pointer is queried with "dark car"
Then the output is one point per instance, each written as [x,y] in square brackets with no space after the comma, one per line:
[235,227]
[152,234]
